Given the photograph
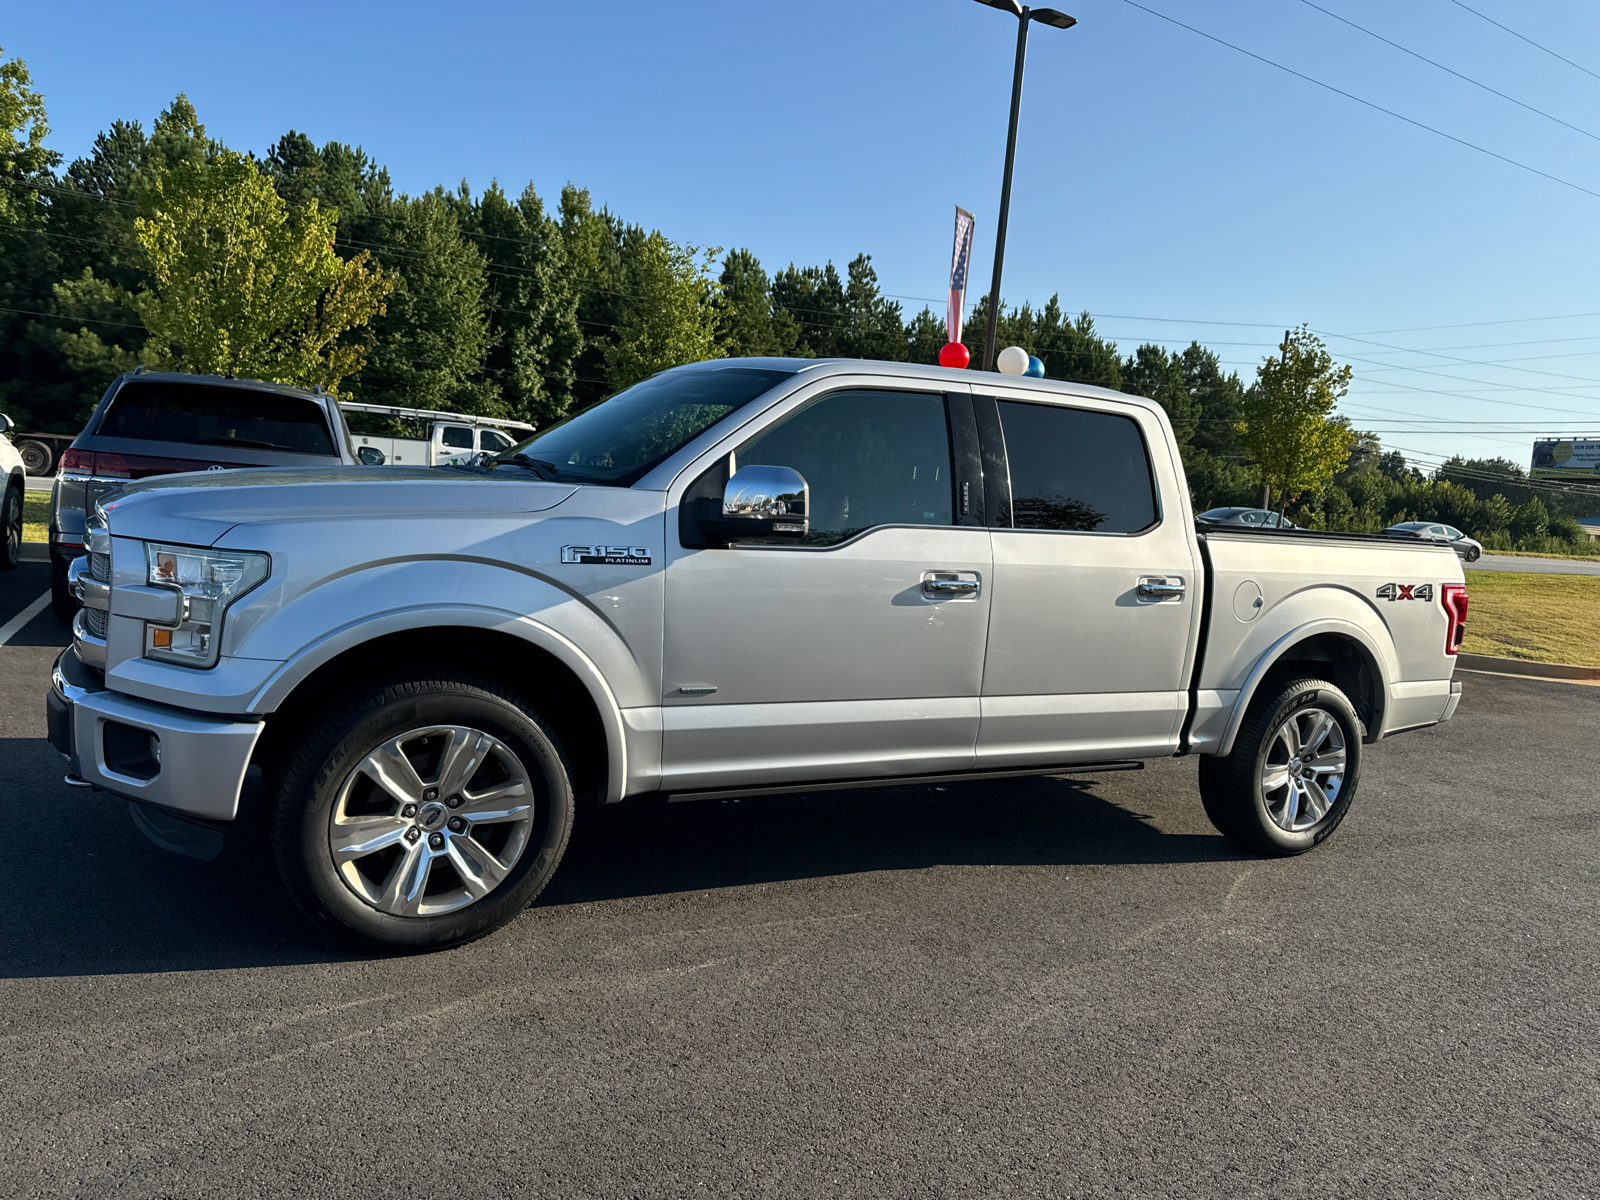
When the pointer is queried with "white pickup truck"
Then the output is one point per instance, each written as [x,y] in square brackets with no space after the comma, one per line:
[742,577]
[452,437]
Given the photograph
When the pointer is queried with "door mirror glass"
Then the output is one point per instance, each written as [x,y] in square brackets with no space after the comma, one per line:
[763,502]
[371,456]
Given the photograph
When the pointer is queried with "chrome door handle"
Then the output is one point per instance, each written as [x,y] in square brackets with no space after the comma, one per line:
[1158,587]
[950,587]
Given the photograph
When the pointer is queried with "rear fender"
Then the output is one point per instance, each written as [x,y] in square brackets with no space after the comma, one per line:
[1351,620]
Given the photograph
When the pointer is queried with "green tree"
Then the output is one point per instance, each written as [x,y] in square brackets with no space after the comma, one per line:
[672,318]
[238,289]
[429,348]
[1157,375]
[25,161]
[1530,521]
[1290,430]
[535,338]
[750,327]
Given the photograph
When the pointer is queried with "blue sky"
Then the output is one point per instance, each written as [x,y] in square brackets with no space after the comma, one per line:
[1174,187]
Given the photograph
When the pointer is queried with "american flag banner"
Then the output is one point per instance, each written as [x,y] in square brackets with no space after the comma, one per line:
[959,260]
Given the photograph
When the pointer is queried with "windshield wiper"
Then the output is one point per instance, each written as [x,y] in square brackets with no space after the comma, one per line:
[541,468]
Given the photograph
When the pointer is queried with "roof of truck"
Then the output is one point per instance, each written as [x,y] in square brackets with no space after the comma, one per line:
[948,375]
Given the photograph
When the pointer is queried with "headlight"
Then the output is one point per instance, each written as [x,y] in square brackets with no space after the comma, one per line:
[206,581]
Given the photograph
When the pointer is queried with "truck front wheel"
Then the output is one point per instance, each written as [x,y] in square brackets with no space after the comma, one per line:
[422,814]
[1292,774]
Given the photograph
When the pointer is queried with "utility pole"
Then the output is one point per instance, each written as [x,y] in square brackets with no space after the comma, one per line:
[1024,14]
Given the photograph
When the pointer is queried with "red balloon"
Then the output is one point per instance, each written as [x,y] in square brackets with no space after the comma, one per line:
[954,354]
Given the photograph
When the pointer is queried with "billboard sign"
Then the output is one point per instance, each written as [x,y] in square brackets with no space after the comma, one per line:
[1566,459]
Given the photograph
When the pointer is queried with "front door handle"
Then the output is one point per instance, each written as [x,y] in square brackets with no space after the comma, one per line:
[1159,587]
[944,585]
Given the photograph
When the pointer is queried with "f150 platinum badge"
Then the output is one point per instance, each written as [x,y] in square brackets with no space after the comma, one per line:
[609,556]
[1406,591]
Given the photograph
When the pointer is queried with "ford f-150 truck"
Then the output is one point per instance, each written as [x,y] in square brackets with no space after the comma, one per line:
[738,577]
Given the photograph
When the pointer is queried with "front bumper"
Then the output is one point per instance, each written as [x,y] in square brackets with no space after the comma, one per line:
[189,763]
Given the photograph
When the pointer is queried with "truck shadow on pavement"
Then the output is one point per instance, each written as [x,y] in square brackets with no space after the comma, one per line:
[94,897]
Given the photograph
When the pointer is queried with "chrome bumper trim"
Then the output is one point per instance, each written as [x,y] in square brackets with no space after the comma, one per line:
[90,649]
[85,588]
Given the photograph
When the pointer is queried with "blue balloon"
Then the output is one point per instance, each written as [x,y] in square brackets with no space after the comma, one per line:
[1035,367]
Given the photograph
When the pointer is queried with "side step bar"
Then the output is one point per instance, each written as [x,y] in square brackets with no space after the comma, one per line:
[841,785]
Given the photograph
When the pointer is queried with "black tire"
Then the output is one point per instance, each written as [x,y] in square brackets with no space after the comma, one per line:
[323,769]
[61,601]
[1232,788]
[36,457]
[11,527]
[1474,554]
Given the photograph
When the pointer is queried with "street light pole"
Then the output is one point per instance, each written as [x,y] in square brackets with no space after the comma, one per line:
[1024,14]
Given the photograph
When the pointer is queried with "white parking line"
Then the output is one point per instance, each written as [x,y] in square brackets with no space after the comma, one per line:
[14,626]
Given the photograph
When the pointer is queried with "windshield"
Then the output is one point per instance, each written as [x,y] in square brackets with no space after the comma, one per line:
[616,441]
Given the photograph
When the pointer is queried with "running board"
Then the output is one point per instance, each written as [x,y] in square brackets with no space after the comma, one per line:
[841,785]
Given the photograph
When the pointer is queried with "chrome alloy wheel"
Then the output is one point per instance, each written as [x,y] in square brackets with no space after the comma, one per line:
[1304,769]
[431,821]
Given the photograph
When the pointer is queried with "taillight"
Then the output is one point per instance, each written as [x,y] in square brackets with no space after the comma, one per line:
[1454,598]
[111,466]
[78,460]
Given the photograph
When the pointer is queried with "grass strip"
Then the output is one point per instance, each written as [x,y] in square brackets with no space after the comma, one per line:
[1538,618]
[36,516]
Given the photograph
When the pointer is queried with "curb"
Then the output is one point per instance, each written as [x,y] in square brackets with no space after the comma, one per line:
[1518,666]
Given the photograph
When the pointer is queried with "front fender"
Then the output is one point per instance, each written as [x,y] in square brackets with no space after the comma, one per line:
[291,674]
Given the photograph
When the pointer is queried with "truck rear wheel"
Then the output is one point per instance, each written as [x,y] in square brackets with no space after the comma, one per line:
[1292,774]
[422,814]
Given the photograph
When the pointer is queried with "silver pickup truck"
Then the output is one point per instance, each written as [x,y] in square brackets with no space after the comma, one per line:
[743,577]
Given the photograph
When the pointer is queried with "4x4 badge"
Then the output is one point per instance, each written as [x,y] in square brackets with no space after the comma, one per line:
[1406,591]
[610,556]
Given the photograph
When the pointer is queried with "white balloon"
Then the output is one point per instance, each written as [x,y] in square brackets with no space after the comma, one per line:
[1013,360]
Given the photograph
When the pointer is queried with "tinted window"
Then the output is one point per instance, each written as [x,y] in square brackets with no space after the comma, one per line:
[1250,518]
[870,458]
[200,414]
[619,439]
[457,437]
[493,440]
[1076,470]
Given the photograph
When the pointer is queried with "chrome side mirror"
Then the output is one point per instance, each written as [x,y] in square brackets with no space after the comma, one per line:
[763,502]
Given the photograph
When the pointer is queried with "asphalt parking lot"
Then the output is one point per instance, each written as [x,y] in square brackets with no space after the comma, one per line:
[1053,987]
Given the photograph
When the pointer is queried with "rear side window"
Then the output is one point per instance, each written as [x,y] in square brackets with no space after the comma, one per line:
[458,437]
[1076,470]
[198,414]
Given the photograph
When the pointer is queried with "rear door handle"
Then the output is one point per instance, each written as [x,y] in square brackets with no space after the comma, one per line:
[945,585]
[1159,587]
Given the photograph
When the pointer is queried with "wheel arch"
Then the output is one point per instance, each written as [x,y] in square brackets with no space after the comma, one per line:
[1338,651]
[569,691]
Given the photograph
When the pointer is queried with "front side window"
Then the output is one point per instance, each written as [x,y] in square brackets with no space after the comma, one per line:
[1250,518]
[200,414]
[493,441]
[869,457]
[1076,470]
[457,437]
[618,440]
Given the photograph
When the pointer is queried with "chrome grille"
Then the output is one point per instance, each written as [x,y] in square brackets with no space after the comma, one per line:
[100,568]
[94,620]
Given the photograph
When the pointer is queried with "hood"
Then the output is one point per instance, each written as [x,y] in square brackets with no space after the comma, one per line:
[198,508]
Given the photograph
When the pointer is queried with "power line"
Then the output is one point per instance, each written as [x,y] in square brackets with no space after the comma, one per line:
[1368,103]
[1529,40]
[1448,70]
[1478,324]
